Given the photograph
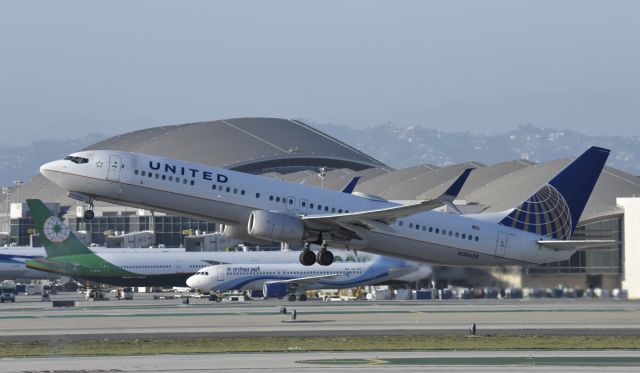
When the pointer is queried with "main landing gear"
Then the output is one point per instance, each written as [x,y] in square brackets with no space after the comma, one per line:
[324,257]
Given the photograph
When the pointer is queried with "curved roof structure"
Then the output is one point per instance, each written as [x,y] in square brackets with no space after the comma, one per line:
[255,145]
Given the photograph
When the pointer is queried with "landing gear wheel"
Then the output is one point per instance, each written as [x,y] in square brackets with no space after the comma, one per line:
[302,297]
[307,257]
[89,214]
[324,257]
[291,297]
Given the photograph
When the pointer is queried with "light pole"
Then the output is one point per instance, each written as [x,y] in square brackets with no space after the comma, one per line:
[6,191]
[322,174]
[18,183]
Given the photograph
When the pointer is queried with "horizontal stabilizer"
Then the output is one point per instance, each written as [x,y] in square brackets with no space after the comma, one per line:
[575,244]
[304,279]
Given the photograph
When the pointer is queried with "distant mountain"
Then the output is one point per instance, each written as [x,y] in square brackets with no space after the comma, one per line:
[22,162]
[401,147]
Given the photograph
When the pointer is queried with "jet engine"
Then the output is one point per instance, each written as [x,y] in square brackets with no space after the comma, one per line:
[275,226]
[274,290]
[239,232]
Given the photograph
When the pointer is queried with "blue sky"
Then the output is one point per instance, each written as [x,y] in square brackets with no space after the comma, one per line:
[68,68]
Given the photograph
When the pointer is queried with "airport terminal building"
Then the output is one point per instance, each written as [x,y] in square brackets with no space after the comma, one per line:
[293,151]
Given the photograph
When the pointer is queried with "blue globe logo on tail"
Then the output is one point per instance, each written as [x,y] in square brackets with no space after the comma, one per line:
[544,213]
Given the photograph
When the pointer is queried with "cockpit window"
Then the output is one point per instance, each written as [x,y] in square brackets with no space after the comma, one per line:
[78,160]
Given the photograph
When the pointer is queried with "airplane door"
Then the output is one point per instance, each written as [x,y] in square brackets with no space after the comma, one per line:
[304,205]
[291,204]
[178,266]
[220,273]
[502,244]
[115,165]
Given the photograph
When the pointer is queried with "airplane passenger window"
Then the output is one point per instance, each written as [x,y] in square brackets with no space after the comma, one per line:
[235,190]
[270,198]
[177,179]
[319,207]
[193,182]
[444,232]
[242,192]
[150,174]
[476,239]
[164,177]
[228,189]
[450,233]
[437,230]
[135,172]
[170,178]
[157,176]
[457,234]
[277,199]
[470,237]
[220,188]
[410,225]
[257,195]
[142,173]
[213,187]
[304,204]
[340,211]
[464,236]
[184,181]
[424,228]
[417,226]
[333,209]
[400,223]
[311,205]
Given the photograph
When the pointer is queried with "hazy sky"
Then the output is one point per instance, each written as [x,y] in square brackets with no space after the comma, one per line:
[71,68]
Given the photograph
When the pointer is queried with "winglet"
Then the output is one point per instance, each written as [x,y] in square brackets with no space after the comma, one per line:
[457,185]
[56,237]
[351,186]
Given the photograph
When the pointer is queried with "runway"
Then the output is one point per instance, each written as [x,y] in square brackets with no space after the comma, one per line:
[472,361]
[144,317]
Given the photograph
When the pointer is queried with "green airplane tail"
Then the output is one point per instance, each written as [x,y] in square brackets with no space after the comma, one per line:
[56,237]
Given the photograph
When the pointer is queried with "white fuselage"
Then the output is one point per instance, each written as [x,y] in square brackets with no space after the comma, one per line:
[228,197]
[369,269]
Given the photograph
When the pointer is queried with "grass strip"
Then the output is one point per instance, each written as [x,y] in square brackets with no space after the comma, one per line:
[279,344]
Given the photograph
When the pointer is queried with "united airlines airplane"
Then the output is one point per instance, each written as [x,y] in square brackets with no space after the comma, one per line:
[293,280]
[536,231]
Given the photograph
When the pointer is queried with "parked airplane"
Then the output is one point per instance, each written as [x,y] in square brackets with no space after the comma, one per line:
[67,256]
[535,232]
[12,264]
[293,279]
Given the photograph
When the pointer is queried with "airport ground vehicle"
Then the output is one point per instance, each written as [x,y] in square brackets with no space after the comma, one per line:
[7,291]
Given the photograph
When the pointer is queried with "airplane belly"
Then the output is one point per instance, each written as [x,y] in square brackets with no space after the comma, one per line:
[174,203]
[412,249]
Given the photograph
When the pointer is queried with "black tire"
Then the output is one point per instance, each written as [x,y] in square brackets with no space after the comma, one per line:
[89,214]
[325,257]
[307,258]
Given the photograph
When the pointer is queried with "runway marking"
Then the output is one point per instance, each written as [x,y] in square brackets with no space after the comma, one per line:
[489,361]
[300,313]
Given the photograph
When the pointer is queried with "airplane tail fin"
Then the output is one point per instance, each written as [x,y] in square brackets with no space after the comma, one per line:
[555,209]
[56,237]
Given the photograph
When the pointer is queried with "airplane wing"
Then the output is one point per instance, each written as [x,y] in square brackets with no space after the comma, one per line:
[575,244]
[304,279]
[389,214]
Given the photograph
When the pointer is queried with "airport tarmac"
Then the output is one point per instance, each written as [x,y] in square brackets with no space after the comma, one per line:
[144,317]
[464,361]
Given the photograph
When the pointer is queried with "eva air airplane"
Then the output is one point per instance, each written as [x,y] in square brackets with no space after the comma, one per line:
[255,207]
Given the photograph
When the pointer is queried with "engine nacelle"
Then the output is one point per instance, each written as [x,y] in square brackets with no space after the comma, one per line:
[275,226]
[239,232]
[274,290]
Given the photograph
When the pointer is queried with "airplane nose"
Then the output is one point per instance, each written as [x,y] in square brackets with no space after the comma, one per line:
[48,169]
[192,282]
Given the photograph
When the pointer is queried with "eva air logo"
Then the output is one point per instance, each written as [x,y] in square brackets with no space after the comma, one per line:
[54,230]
